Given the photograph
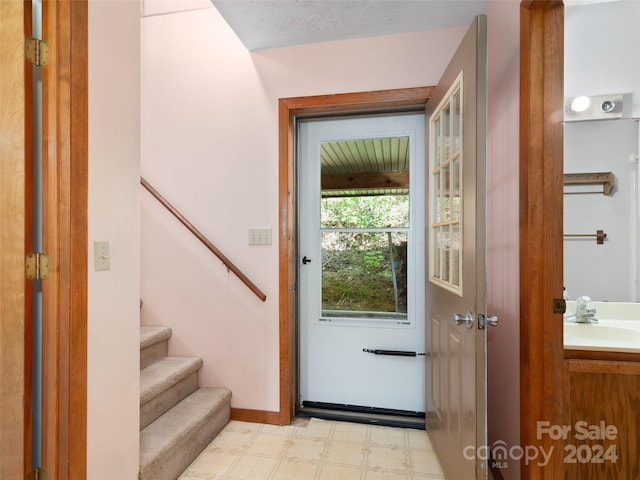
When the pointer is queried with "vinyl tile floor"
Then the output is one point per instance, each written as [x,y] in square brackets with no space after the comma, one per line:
[314,449]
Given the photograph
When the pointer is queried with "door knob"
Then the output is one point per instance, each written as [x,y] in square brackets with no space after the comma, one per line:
[467,319]
[305,260]
[488,320]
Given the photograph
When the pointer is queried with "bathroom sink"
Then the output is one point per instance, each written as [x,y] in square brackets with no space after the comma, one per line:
[596,332]
[618,329]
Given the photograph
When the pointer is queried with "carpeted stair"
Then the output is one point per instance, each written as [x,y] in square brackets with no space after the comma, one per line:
[178,419]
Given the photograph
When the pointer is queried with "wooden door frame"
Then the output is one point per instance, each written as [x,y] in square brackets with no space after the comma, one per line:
[288,110]
[65,239]
[542,378]
[13,125]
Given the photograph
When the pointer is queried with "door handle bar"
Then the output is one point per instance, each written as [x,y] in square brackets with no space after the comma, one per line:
[395,353]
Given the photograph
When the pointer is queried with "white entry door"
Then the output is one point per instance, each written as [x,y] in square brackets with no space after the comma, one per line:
[456,290]
[361,252]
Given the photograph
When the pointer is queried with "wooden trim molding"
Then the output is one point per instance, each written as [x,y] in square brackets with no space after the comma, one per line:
[255,416]
[542,379]
[601,355]
[288,110]
[613,367]
[65,184]
[28,247]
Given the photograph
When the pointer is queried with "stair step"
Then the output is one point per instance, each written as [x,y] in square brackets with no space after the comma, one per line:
[165,383]
[150,334]
[154,344]
[173,441]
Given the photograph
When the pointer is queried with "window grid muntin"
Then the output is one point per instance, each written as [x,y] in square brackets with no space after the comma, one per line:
[445,212]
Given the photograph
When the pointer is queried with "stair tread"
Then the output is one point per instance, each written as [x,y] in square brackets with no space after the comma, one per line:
[181,421]
[152,334]
[165,373]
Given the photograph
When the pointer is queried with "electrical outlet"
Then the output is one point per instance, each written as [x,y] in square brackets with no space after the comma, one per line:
[102,258]
[260,236]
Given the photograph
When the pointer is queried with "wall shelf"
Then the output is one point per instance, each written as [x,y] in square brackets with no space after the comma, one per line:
[606,179]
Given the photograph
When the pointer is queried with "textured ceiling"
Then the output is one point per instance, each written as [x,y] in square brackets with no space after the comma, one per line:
[264,24]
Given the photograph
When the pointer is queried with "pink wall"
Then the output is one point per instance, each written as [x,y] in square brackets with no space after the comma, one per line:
[209,144]
[113,398]
[503,362]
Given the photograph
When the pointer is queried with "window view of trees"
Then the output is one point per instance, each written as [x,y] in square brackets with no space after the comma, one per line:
[364,256]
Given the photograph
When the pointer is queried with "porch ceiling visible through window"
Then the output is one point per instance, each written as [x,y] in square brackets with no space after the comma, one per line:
[369,166]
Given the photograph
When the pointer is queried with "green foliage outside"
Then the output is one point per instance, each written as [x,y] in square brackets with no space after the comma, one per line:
[356,266]
[365,212]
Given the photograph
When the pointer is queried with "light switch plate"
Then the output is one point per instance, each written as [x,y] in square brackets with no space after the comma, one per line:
[102,259]
[260,236]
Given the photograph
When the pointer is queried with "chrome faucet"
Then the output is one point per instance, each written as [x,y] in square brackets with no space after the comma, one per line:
[585,313]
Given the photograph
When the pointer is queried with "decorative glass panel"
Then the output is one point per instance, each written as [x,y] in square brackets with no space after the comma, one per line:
[455,189]
[436,270]
[456,123]
[437,146]
[445,252]
[445,197]
[455,253]
[434,209]
[446,132]
[444,202]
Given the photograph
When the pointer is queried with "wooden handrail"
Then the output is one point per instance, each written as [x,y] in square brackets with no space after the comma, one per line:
[228,263]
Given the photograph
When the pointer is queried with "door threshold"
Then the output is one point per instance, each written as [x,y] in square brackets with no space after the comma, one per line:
[366,415]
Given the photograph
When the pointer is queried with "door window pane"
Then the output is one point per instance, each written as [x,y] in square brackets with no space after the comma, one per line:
[455,189]
[436,140]
[364,274]
[446,132]
[456,123]
[444,202]
[364,225]
[455,254]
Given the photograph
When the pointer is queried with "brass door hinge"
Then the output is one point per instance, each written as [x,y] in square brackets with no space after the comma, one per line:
[37,266]
[37,51]
[36,474]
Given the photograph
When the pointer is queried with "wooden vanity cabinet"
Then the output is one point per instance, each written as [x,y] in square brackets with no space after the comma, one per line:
[603,413]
